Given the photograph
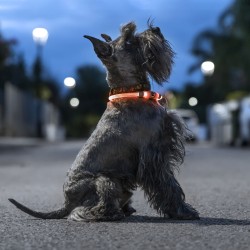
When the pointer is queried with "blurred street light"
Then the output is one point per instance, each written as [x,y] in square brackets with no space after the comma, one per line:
[74,102]
[69,82]
[207,68]
[40,37]
[193,101]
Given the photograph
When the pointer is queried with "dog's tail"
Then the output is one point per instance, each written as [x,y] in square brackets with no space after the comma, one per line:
[58,214]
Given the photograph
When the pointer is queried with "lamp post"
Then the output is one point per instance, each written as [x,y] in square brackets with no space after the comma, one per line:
[40,37]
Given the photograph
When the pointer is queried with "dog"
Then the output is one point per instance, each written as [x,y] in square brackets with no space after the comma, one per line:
[137,142]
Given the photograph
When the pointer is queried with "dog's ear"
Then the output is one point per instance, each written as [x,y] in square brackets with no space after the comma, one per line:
[158,54]
[106,37]
[127,32]
[102,49]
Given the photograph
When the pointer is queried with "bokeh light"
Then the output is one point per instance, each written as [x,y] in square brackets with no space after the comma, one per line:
[207,68]
[193,101]
[74,102]
[69,82]
[40,35]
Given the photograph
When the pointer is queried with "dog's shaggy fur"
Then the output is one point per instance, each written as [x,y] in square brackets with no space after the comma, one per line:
[137,142]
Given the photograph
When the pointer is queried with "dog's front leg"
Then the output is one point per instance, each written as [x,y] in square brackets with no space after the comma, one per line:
[163,191]
[167,197]
[126,203]
[174,202]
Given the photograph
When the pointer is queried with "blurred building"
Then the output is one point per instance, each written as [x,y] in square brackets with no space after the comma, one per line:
[22,115]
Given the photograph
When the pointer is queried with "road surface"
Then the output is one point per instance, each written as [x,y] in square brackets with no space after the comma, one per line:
[216,182]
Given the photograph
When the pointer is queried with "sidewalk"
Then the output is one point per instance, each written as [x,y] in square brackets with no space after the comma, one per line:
[12,142]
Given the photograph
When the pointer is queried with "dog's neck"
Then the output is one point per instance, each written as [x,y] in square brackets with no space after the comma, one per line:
[125,73]
[127,89]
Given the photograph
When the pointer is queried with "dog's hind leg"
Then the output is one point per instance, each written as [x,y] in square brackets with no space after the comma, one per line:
[104,204]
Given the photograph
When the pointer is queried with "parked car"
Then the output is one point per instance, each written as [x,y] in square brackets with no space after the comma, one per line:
[220,124]
[244,119]
[192,122]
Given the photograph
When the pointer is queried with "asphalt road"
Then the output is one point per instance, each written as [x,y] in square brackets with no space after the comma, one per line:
[216,181]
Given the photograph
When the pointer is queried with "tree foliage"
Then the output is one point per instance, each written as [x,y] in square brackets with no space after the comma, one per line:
[14,69]
[228,48]
[5,49]
[6,54]
[92,91]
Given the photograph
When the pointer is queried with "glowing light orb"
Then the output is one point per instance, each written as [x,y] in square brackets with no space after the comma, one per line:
[207,68]
[74,102]
[193,101]
[69,82]
[40,35]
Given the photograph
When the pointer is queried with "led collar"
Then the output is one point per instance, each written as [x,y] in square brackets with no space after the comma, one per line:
[141,94]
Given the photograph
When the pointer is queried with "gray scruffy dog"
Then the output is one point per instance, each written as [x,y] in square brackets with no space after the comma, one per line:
[137,142]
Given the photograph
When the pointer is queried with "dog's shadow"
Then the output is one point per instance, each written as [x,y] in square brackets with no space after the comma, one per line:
[204,221]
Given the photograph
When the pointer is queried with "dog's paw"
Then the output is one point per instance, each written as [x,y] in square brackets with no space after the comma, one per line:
[185,212]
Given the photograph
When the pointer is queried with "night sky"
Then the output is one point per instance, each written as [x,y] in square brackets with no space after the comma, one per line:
[68,20]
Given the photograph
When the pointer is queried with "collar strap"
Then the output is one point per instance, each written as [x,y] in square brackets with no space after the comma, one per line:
[134,88]
[149,95]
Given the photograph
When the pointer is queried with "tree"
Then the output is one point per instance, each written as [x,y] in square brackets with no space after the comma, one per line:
[43,86]
[5,49]
[92,91]
[227,47]
[6,54]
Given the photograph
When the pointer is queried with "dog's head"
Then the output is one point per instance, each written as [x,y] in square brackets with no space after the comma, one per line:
[131,57]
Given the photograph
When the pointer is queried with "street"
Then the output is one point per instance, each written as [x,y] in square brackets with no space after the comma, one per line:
[216,182]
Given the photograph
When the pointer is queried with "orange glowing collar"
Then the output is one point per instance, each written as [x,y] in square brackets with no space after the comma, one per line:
[149,95]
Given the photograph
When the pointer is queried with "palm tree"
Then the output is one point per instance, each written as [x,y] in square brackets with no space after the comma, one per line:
[228,47]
